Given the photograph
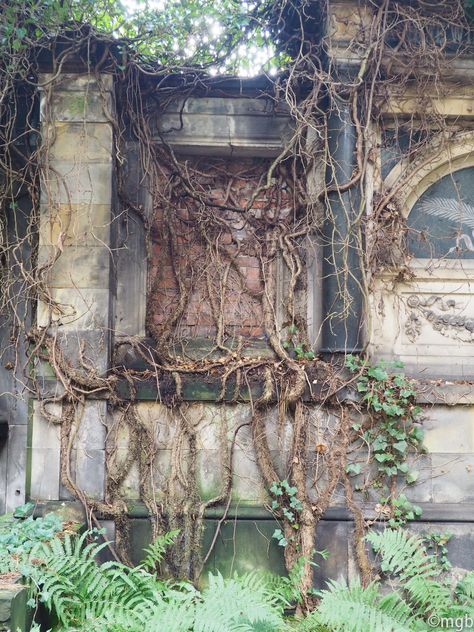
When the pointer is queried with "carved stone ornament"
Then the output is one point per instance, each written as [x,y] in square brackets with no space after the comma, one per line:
[444,316]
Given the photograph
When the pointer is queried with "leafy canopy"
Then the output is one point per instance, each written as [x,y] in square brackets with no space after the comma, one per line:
[219,35]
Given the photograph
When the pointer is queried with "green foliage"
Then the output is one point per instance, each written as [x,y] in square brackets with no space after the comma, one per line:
[405,556]
[438,542]
[295,347]
[402,510]
[390,399]
[243,603]
[288,588]
[287,504]
[83,595]
[224,34]
[157,549]
[356,609]
[19,536]
[422,595]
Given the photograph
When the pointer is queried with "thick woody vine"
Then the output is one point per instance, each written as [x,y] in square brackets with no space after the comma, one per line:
[205,220]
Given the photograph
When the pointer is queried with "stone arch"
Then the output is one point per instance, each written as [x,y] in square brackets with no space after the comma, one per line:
[407,181]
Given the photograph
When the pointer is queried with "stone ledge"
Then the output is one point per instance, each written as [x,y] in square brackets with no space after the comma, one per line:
[225,127]
[202,387]
[432,512]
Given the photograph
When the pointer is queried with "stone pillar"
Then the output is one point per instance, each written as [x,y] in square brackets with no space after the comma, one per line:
[342,282]
[74,248]
[343,302]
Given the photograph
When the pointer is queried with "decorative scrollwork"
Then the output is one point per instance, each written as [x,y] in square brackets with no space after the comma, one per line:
[447,319]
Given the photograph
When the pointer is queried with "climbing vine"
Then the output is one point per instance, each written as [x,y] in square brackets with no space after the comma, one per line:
[223,231]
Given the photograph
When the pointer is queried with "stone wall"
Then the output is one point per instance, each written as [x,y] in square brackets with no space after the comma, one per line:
[99,280]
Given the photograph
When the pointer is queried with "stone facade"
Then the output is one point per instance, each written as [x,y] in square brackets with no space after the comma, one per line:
[99,283]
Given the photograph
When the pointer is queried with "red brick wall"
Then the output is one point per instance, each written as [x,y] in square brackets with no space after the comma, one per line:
[204,263]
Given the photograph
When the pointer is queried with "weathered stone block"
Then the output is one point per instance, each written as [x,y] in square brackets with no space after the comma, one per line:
[66,224]
[234,126]
[80,106]
[67,512]
[87,468]
[79,142]
[73,183]
[453,478]
[15,615]
[90,472]
[92,420]
[45,445]
[45,468]
[252,539]
[45,434]
[450,429]
[80,309]
[77,266]
[140,538]
[90,347]
[78,82]
[130,260]
[16,468]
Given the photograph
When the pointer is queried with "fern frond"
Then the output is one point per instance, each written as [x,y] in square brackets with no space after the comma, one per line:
[357,609]
[156,551]
[403,553]
[465,587]
[405,556]
[176,613]
[240,604]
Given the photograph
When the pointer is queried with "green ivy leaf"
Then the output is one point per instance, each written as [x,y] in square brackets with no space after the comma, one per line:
[412,477]
[378,373]
[353,468]
[401,446]
[417,434]
[379,444]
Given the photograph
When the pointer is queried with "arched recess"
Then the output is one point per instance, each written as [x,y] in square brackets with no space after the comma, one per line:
[425,316]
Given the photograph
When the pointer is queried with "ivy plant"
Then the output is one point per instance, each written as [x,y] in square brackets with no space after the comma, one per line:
[438,543]
[393,432]
[286,504]
[295,346]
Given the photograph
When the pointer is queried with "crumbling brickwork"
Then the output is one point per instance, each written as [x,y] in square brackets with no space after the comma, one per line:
[220,260]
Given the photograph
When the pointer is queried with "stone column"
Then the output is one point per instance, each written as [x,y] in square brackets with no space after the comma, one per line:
[343,302]
[74,248]
[342,289]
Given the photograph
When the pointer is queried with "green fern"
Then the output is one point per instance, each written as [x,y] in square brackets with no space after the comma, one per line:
[111,597]
[405,556]
[157,549]
[422,592]
[464,593]
[78,591]
[240,604]
[357,609]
